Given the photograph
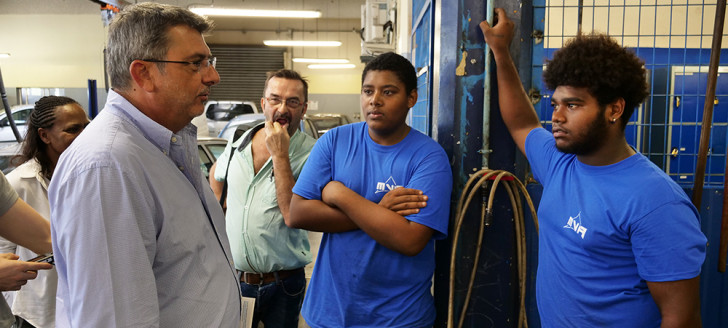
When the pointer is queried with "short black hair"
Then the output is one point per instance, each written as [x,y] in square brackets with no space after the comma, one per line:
[395,63]
[597,62]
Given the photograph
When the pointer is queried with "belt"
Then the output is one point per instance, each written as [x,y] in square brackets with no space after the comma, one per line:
[253,278]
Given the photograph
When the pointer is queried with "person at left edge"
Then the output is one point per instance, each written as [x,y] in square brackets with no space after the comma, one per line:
[52,126]
[138,237]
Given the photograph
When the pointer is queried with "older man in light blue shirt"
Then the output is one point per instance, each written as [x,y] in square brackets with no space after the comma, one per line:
[138,236]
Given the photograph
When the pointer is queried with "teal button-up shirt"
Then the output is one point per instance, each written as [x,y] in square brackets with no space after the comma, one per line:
[260,240]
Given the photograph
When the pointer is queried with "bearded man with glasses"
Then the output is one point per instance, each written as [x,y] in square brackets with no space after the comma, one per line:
[138,237]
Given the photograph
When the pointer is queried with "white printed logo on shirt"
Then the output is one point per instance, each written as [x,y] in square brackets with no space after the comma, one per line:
[574,223]
[386,186]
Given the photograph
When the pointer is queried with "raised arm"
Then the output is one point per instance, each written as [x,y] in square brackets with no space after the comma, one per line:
[278,141]
[678,301]
[515,106]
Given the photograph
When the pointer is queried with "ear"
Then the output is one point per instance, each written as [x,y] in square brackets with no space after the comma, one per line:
[43,134]
[615,110]
[141,73]
[262,103]
[412,99]
[304,109]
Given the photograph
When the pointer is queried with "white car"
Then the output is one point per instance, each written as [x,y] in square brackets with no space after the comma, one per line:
[21,113]
[8,150]
[220,112]
[239,124]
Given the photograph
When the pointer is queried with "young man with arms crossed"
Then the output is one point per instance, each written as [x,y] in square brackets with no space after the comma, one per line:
[619,243]
[375,264]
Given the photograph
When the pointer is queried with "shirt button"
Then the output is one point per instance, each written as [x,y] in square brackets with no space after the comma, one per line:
[174,139]
[181,168]
[165,152]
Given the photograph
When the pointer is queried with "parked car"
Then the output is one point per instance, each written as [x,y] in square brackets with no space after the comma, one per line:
[209,149]
[8,150]
[239,124]
[317,124]
[220,112]
[20,116]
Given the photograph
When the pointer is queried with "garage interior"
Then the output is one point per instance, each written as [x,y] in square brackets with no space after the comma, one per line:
[56,47]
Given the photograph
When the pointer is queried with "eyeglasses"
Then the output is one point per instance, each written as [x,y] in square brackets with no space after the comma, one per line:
[293,103]
[199,64]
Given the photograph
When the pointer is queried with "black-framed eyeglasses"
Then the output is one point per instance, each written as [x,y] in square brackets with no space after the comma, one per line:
[198,64]
[293,103]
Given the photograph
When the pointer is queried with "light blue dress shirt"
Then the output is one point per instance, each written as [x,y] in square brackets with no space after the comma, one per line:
[131,226]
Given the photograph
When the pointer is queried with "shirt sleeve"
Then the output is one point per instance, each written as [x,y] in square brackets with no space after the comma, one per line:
[668,244]
[540,150]
[317,172]
[104,244]
[434,177]
[8,196]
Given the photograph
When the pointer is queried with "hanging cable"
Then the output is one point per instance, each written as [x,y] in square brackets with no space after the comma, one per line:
[513,186]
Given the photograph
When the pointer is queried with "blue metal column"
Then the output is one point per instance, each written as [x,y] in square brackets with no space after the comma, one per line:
[458,76]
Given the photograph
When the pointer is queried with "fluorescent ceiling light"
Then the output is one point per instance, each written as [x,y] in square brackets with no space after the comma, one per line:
[330,66]
[320,61]
[294,43]
[4,55]
[210,11]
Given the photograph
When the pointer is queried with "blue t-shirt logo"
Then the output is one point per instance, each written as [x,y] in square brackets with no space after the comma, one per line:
[575,224]
[386,186]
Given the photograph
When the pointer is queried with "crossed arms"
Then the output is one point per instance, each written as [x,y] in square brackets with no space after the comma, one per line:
[341,209]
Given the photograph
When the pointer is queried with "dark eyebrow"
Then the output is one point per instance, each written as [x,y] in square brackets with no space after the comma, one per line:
[572,99]
[383,87]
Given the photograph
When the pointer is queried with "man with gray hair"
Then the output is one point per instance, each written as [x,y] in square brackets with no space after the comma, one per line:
[138,236]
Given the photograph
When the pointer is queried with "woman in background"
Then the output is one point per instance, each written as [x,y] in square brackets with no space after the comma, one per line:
[53,124]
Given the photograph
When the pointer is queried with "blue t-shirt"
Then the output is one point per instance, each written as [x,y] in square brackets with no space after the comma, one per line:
[604,232]
[357,282]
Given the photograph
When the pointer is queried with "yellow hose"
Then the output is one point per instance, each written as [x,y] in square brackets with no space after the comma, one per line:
[513,186]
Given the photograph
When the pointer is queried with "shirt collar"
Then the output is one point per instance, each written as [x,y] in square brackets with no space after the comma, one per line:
[159,135]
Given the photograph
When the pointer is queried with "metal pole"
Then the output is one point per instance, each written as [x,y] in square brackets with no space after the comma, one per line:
[708,107]
[485,151]
[8,113]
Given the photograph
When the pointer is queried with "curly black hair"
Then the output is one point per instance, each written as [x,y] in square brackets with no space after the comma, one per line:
[598,63]
[399,65]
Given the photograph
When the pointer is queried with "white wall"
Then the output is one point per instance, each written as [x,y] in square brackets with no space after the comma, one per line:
[52,51]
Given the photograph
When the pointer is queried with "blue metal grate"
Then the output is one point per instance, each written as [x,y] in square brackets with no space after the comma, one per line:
[674,39]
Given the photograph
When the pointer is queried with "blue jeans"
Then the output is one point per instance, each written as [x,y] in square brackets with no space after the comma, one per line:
[277,304]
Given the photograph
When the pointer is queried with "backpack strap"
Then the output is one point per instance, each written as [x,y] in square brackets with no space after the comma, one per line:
[247,138]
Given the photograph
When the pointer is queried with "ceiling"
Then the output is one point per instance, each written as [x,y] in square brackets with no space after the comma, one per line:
[337,15]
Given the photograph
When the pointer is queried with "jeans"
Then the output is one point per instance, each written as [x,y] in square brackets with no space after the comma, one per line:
[277,304]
